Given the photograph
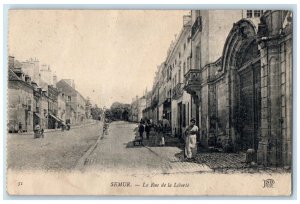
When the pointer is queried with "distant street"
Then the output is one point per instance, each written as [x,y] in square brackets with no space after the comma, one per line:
[116,153]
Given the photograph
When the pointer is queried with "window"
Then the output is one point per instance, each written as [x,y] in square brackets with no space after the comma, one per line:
[184,68]
[184,46]
[179,55]
[249,13]
[257,13]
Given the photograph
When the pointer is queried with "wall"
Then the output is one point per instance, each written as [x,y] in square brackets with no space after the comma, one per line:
[20,97]
[220,22]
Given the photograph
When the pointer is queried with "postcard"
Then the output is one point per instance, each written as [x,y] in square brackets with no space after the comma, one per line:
[149,102]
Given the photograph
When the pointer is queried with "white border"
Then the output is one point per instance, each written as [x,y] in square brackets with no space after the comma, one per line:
[151,2]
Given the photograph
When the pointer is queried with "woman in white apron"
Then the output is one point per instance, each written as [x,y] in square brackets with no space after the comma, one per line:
[191,139]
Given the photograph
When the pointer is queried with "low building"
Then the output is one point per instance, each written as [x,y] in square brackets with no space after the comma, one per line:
[75,102]
[20,99]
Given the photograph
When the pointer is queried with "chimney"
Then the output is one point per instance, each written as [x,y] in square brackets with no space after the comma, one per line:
[54,80]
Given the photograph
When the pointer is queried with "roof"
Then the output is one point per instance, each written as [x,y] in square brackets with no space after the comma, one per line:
[66,88]
[12,76]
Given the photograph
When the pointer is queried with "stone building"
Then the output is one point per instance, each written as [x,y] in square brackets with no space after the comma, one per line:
[244,96]
[81,103]
[20,98]
[75,102]
[53,118]
[46,74]
[88,108]
[237,81]
[61,105]
[155,98]
[178,60]
[31,67]
[147,112]
[136,109]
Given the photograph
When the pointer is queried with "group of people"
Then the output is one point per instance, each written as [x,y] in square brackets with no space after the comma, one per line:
[163,127]
[145,127]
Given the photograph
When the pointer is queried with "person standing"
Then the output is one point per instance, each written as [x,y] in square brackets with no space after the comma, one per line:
[147,129]
[191,139]
[141,130]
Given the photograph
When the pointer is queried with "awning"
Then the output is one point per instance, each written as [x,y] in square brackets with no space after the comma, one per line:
[59,120]
[38,115]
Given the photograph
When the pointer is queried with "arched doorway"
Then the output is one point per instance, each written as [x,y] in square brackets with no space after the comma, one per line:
[241,63]
[248,96]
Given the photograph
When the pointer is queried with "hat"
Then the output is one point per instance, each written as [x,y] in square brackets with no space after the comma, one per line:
[193,120]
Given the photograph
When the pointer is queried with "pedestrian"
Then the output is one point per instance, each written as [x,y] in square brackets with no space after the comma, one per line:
[141,130]
[147,129]
[20,127]
[191,140]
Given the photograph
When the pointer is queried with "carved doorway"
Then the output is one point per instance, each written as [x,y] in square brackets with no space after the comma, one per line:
[249,98]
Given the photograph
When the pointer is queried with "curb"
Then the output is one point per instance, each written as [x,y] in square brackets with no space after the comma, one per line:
[81,162]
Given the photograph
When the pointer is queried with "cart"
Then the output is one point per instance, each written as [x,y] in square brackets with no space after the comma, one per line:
[39,134]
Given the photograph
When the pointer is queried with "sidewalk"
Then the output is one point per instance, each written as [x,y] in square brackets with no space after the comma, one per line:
[216,161]
[59,129]
[155,139]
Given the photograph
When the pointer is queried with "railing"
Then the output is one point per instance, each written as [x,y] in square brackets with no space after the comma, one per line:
[192,77]
[177,91]
[192,80]
[197,26]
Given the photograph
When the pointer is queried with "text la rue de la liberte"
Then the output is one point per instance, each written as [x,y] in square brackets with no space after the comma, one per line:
[151,185]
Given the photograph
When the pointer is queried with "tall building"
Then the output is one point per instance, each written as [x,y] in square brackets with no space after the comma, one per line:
[31,68]
[244,96]
[46,74]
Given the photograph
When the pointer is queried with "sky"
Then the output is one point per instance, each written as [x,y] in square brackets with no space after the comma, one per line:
[112,55]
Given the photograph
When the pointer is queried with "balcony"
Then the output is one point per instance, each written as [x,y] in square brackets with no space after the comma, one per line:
[197,26]
[177,91]
[192,81]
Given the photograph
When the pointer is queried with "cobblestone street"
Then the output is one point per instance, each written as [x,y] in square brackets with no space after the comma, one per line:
[57,151]
[116,153]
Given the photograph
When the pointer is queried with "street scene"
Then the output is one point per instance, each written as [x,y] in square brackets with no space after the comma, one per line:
[150,92]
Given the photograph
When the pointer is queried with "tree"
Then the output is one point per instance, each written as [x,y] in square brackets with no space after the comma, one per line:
[96,112]
[118,111]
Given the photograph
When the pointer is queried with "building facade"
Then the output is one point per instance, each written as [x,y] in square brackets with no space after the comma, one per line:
[235,80]
[20,99]
[242,92]
[75,102]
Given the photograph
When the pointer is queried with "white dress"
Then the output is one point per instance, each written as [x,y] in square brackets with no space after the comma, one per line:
[191,141]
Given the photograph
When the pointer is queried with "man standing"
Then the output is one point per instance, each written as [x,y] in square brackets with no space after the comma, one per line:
[141,129]
[191,139]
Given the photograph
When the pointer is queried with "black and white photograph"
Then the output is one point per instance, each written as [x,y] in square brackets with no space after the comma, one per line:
[149,102]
